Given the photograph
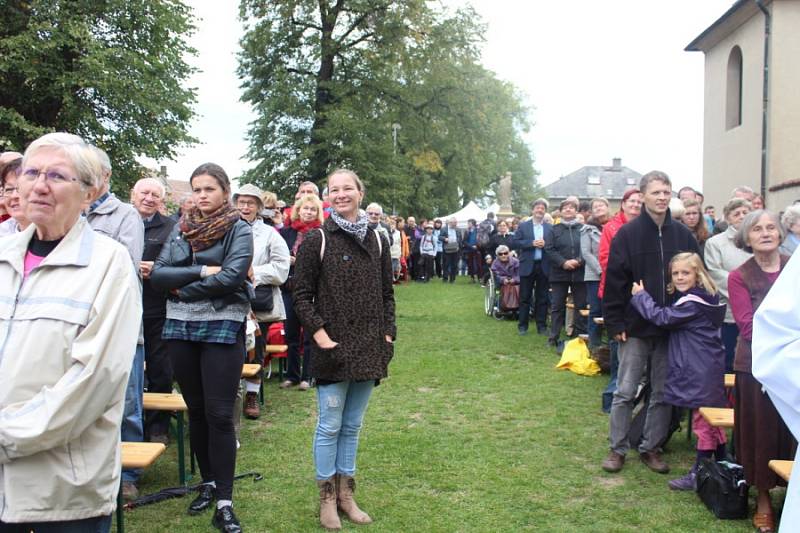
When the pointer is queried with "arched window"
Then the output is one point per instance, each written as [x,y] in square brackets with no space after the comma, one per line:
[733,100]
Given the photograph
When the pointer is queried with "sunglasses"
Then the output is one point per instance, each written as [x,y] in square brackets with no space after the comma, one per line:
[502,253]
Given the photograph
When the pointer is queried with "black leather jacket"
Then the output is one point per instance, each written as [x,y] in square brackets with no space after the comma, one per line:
[178,268]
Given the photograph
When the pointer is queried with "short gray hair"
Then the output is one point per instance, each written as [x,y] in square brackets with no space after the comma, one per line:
[152,181]
[540,201]
[82,155]
[502,248]
[375,205]
[734,204]
[740,240]
[791,216]
[654,175]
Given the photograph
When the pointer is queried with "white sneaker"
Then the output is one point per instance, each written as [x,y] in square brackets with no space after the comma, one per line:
[304,385]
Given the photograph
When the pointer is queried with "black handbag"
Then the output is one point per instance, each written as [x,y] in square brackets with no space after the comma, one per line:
[262,302]
[722,487]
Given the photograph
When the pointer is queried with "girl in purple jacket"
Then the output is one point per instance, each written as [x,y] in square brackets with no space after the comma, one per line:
[696,353]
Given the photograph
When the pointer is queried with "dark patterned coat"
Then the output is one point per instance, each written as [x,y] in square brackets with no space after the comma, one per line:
[349,293]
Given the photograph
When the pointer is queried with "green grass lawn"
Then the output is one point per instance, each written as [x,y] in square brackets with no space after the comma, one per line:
[474,431]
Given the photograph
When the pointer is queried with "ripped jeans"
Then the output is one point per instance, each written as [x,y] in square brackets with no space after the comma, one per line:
[341,412]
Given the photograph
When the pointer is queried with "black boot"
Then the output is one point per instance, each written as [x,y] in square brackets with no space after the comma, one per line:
[206,494]
[226,521]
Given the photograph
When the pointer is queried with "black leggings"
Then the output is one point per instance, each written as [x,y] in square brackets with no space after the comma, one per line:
[208,375]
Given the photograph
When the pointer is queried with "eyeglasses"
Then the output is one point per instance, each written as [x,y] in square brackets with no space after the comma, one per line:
[8,191]
[50,176]
[502,253]
[373,214]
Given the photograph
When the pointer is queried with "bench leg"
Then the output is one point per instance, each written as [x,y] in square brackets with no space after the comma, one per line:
[181,455]
[120,512]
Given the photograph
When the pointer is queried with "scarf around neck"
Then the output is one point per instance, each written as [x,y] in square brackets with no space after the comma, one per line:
[203,231]
[357,228]
[303,227]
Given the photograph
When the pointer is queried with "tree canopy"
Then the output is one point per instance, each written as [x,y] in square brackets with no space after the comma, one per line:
[392,90]
[111,71]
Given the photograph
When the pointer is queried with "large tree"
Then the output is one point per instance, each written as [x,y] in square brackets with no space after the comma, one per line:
[111,71]
[331,81]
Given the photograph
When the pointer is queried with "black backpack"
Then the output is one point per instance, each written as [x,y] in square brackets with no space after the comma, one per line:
[636,431]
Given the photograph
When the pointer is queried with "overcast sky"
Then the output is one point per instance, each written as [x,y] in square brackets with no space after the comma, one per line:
[604,79]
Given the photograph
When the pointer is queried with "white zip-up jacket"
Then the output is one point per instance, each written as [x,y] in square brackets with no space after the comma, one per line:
[270,267]
[67,338]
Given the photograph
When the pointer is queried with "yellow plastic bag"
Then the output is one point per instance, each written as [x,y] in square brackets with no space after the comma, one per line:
[576,358]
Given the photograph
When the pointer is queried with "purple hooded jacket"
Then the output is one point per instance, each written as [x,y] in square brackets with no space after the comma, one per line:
[696,354]
[507,269]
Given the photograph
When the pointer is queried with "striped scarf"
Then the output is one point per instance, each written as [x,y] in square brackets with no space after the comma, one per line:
[202,232]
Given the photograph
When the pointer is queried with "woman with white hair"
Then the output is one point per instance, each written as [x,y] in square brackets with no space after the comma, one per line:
[70,310]
[791,222]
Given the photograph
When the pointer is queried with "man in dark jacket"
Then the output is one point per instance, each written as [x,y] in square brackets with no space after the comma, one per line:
[530,240]
[566,269]
[147,196]
[641,251]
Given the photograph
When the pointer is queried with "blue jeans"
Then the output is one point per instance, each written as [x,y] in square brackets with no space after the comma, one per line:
[132,420]
[97,524]
[341,412]
[611,388]
[595,311]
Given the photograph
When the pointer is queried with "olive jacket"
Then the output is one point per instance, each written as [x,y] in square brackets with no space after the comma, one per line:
[347,289]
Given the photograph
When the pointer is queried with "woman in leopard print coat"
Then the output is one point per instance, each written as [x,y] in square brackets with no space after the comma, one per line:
[344,297]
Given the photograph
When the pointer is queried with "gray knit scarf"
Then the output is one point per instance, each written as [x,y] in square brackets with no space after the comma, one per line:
[357,228]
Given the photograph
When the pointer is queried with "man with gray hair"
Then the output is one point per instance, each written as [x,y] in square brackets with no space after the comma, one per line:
[374,214]
[530,240]
[148,197]
[109,216]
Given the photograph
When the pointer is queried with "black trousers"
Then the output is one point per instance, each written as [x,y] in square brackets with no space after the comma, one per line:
[208,374]
[450,266]
[427,266]
[439,259]
[533,292]
[158,371]
[558,298]
[295,372]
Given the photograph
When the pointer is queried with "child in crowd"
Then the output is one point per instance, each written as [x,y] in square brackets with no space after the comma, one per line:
[427,250]
[696,354]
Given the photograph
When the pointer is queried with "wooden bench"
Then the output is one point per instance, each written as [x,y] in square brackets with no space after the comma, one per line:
[250,370]
[158,401]
[719,417]
[730,380]
[599,320]
[135,455]
[782,468]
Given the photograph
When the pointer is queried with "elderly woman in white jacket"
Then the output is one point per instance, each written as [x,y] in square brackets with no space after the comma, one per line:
[70,312]
[270,267]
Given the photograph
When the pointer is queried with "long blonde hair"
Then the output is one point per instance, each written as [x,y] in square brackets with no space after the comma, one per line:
[703,279]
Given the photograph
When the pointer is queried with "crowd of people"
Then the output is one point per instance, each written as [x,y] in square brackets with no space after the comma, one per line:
[108,299]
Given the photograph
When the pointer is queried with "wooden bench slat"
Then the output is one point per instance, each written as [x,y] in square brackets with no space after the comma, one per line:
[782,468]
[276,348]
[140,454]
[718,416]
[250,370]
[159,401]
[730,380]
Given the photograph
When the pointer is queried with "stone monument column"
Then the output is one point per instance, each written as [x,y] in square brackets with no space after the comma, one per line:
[504,196]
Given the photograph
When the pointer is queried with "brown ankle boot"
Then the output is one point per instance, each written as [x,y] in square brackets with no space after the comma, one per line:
[251,408]
[345,487]
[328,516]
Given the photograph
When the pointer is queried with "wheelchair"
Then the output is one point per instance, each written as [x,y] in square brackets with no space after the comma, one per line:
[492,301]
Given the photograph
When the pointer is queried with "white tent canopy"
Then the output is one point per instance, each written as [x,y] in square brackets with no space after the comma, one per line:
[471,210]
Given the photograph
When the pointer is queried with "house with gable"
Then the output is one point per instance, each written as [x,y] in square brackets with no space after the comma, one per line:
[609,182]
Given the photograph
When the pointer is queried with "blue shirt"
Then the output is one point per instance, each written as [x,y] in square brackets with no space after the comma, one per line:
[538,233]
